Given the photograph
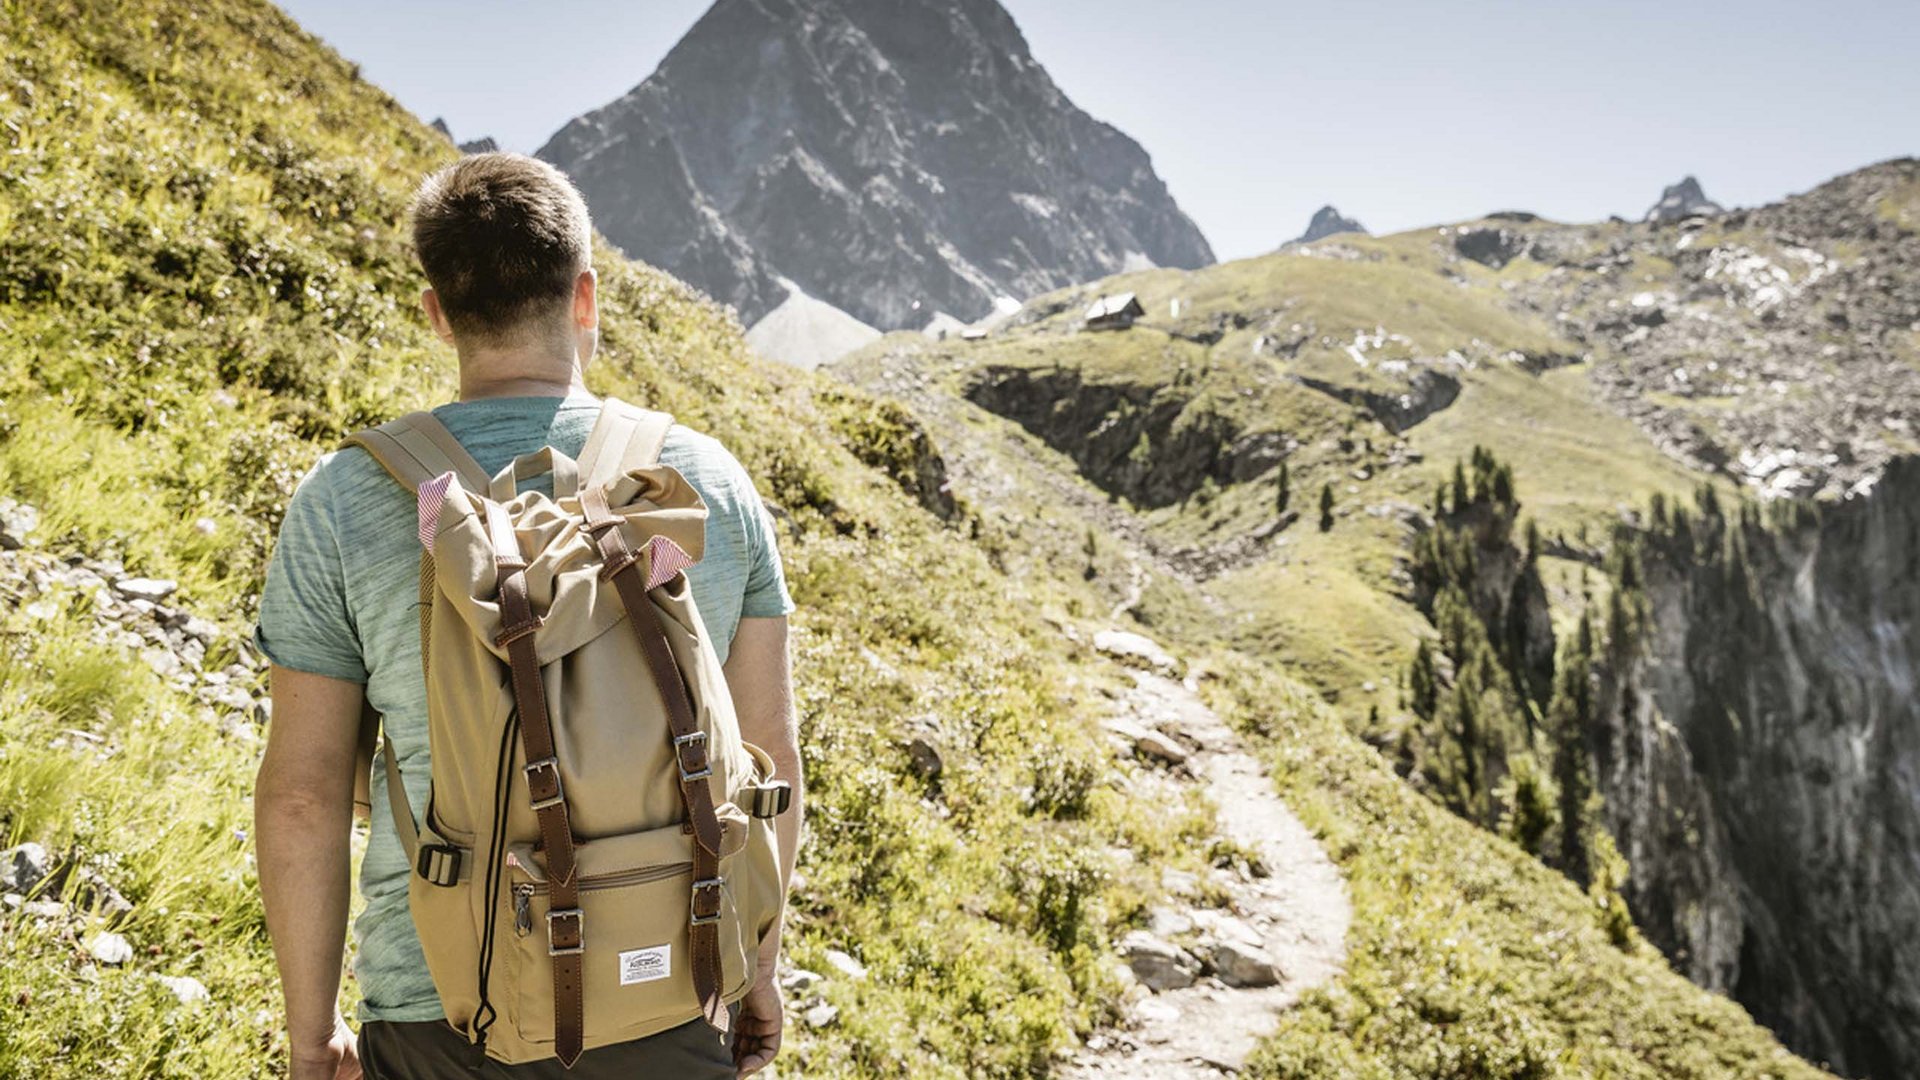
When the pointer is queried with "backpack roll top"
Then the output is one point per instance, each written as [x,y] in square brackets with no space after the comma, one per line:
[597,860]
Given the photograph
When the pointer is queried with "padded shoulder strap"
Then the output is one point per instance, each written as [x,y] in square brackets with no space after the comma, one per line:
[624,437]
[416,448]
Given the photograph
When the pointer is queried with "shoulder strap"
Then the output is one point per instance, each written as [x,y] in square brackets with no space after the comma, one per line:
[418,447]
[624,437]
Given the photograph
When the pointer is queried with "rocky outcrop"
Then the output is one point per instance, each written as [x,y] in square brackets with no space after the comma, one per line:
[1328,222]
[1145,442]
[1425,391]
[1758,754]
[1681,201]
[891,157]
[1778,351]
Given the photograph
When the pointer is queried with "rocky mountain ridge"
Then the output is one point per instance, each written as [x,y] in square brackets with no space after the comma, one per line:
[893,158]
[1680,201]
[1326,222]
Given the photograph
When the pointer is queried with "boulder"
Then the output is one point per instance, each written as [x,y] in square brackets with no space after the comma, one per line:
[1157,746]
[1158,964]
[1240,964]
[1136,650]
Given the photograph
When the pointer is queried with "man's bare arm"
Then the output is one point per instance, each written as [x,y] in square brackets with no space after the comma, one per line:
[759,673]
[303,814]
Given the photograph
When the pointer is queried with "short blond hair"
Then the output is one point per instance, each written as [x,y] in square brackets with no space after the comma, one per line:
[502,238]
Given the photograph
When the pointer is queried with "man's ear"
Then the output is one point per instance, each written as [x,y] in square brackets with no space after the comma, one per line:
[586,305]
[436,316]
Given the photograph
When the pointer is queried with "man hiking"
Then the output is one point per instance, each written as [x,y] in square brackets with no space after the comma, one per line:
[504,241]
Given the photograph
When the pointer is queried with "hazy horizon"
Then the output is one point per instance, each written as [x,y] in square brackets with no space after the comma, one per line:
[1256,114]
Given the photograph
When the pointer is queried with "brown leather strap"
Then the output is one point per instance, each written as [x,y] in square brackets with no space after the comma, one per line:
[566,925]
[690,751]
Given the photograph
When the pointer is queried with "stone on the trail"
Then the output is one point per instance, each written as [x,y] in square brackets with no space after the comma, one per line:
[1240,964]
[1158,964]
[1180,882]
[1135,649]
[1225,1061]
[1155,745]
[152,590]
[109,948]
[187,989]
[23,867]
[1169,922]
[846,965]
[820,1015]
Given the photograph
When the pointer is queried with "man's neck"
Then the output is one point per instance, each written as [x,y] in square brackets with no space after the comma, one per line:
[507,374]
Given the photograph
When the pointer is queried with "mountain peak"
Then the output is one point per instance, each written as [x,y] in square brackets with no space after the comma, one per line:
[1683,200]
[875,153]
[1326,222]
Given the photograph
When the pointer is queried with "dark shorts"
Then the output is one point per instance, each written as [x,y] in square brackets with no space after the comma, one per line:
[432,1050]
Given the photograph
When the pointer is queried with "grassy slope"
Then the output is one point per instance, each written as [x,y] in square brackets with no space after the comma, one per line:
[202,285]
[1468,958]
[1324,603]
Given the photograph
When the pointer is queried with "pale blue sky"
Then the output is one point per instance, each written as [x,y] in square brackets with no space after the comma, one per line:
[1401,112]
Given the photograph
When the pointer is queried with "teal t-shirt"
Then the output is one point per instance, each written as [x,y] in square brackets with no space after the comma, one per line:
[340,601]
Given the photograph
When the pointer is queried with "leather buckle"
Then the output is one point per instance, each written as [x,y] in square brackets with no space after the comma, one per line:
[559,795]
[680,744]
[693,910]
[770,799]
[579,920]
[438,864]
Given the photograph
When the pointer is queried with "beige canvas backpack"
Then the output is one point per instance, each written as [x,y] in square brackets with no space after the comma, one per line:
[597,862]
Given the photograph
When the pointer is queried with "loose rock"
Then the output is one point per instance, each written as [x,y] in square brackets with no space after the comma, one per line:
[1159,964]
[1135,649]
[187,989]
[23,867]
[1155,745]
[846,965]
[109,948]
[1239,964]
[152,590]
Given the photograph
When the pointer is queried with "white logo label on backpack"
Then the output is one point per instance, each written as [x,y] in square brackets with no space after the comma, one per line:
[645,965]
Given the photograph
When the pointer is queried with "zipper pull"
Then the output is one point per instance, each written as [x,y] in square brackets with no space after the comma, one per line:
[523,909]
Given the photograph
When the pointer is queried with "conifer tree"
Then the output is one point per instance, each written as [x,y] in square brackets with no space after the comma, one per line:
[1326,507]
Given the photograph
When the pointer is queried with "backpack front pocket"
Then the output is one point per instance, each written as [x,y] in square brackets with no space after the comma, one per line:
[636,965]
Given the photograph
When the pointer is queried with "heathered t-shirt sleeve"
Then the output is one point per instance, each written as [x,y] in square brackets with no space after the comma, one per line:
[766,595]
[304,621]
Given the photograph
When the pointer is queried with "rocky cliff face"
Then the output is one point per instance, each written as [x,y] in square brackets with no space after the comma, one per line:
[891,157]
[1149,443]
[1760,758]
